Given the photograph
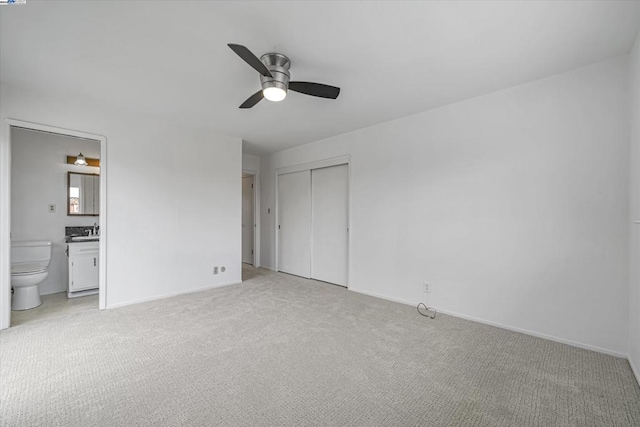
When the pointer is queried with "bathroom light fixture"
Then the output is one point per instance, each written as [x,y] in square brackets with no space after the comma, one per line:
[80,160]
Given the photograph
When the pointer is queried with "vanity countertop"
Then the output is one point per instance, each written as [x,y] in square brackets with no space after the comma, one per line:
[81,239]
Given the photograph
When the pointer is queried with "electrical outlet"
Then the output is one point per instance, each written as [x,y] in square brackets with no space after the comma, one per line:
[52,208]
[427,287]
[215,270]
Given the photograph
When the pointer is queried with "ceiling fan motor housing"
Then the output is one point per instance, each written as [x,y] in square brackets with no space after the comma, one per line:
[279,65]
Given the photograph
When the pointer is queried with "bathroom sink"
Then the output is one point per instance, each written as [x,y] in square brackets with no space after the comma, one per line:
[84,238]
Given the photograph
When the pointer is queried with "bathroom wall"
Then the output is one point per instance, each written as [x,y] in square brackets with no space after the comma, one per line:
[38,179]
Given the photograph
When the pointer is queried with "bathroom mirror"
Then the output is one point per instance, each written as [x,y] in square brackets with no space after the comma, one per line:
[83,194]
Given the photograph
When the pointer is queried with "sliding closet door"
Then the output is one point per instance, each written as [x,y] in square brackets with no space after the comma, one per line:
[294,223]
[330,220]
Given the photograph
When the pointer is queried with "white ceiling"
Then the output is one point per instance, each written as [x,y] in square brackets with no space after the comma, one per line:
[391,59]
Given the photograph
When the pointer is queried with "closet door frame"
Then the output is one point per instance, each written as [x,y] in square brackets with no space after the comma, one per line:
[334,161]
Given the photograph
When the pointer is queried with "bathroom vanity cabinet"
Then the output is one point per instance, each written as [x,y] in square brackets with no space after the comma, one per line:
[83,268]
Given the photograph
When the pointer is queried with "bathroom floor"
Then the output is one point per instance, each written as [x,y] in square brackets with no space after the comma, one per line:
[54,306]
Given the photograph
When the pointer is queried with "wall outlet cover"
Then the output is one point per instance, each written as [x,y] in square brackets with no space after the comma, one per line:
[427,287]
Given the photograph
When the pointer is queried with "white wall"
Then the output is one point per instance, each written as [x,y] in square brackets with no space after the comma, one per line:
[634,194]
[250,163]
[39,178]
[514,205]
[170,218]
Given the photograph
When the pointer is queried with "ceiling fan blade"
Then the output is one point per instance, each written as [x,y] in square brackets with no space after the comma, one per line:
[253,100]
[315,89]
[250,59]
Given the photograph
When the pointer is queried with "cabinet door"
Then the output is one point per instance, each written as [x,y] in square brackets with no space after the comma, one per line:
[84,272]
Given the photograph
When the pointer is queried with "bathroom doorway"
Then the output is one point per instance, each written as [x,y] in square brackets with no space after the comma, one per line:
[52,196]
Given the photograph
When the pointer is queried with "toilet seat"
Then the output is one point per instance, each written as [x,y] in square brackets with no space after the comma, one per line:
[28,268]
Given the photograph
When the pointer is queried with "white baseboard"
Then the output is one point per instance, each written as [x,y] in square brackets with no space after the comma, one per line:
[635,370]
[55,291]
[510,328]
[537,334]
[85,293]
[172,294]
[371,294]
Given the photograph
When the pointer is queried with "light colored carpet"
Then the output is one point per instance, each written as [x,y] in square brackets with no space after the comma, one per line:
[280,350]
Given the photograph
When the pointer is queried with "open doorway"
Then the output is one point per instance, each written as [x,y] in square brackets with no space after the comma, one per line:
[248,219]
[250,238]
[53,211]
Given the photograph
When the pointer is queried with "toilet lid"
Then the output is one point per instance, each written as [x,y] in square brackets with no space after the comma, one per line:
[28,268]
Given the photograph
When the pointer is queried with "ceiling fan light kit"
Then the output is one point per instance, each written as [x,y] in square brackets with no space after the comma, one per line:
[275,94]
[274,78]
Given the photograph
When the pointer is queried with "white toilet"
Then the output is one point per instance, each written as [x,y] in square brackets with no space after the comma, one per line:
[29,267]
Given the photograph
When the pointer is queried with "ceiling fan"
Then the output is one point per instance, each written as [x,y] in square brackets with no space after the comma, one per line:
[274,78]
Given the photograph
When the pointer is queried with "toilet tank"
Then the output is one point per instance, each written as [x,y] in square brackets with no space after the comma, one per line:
[30,251]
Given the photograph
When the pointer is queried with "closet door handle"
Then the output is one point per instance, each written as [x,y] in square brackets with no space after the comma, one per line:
[94,262]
